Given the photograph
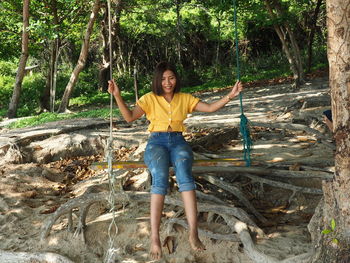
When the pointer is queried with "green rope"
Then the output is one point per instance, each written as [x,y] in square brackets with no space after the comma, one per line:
[244,124]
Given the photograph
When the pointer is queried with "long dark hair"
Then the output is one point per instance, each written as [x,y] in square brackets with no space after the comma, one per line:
[158,75]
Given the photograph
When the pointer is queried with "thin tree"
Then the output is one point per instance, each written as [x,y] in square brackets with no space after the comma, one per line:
[47,98]
[12,111]
[289,43]
[334,246]
[82,58]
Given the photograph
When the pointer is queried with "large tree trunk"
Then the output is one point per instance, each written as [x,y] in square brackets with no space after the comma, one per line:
[12,112]
[337,191]
[82,59]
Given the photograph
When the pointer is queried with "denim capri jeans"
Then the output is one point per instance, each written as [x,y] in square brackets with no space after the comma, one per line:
[165,149]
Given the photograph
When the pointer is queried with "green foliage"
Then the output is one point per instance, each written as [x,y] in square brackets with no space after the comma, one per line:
[331,232]
[87,83]
[31,90]
[150,31]
[6,84]
[11,26]
[8,68]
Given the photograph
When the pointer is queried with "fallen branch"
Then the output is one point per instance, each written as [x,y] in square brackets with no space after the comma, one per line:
[264,171]
[27,257]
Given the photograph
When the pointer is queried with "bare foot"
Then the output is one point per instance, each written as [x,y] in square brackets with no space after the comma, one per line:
[155,252]
[196,244]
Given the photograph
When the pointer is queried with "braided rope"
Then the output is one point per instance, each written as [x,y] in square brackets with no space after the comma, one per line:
[244,124]
[111,252]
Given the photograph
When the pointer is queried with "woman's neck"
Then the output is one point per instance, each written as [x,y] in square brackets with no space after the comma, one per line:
[168,97]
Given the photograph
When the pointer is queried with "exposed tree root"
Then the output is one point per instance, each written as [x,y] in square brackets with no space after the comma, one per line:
[236,218]
[27,257]
[291,187]
[230,237]
[85,201]
[252,251]
[297,127]
[234,190]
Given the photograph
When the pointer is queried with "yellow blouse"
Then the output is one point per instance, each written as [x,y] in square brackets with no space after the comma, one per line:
[163,114]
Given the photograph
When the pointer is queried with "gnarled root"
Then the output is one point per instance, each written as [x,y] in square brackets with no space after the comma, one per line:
[85,201]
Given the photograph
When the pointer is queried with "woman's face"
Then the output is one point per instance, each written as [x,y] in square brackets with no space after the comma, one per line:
[168,82]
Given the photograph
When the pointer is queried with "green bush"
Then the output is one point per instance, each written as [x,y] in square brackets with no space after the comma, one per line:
[6,88]
[87,82]
[31,90]
[8,68]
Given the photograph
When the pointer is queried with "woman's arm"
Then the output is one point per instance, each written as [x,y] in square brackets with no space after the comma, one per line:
[216,105]
[128,115]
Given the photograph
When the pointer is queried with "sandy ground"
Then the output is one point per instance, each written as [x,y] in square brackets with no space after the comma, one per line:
[30,193]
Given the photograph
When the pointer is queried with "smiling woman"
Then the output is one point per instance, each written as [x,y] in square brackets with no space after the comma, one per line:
[166,108]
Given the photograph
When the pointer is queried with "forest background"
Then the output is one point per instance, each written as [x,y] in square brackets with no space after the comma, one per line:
[277,39]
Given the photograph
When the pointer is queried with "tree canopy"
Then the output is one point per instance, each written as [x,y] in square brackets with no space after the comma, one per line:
[198,36]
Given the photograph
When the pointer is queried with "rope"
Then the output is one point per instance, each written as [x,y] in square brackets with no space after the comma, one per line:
[244,124]
[112,252]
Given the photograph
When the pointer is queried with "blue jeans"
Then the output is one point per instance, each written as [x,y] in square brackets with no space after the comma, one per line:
[163,150]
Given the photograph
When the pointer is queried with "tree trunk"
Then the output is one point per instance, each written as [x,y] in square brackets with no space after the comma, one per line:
[81,61]
[290,46]
[12,112]
[335,246]
[136,89]
[47,99]
[103,75]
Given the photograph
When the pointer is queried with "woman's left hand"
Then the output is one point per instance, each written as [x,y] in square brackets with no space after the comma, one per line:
[237,88]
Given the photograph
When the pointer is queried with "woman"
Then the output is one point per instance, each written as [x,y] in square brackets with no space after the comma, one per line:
[166,108]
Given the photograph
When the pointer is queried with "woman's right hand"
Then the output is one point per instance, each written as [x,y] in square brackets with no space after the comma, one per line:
[113,88]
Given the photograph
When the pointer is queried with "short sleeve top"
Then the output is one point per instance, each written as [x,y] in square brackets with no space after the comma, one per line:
[163,114]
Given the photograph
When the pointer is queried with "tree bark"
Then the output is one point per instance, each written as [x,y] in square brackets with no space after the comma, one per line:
[12,112]
[82,59]
[336,191]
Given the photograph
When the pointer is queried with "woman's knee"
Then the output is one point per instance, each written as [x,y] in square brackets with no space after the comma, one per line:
[182,153]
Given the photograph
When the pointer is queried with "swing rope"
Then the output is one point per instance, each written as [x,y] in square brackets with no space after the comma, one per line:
[111,251]
[244,123]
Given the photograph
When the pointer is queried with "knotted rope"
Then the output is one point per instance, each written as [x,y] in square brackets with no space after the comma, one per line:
[112,252]
[244,124]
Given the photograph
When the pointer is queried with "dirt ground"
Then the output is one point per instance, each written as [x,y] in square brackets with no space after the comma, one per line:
[32,189]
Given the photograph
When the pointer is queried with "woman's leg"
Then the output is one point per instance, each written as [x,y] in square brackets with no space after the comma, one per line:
[182,159]
[190,202]
[157,161]
[157,203]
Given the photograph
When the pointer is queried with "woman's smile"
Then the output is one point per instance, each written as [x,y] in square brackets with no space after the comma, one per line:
[168,81]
